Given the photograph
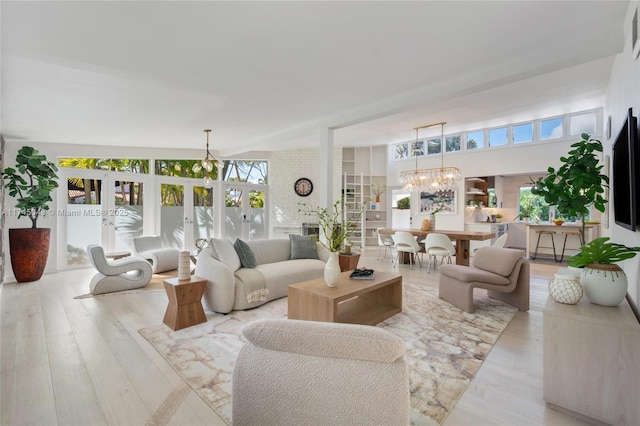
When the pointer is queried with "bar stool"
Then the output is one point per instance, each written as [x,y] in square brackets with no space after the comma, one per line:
[570,234]
[553,244]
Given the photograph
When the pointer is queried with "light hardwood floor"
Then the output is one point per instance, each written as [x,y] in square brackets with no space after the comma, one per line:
[82,361]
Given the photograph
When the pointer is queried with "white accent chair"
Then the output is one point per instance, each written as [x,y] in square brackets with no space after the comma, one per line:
[438,245]
[293,372]
[127,273]
[161,259]
[406,243]
[500,241]
[385,241]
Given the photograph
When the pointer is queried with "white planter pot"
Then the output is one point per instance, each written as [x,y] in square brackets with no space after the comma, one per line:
[332,270]
[565,289]
[604,284]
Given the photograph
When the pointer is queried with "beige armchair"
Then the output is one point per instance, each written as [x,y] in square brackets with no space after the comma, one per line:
[298,373]
[503,272]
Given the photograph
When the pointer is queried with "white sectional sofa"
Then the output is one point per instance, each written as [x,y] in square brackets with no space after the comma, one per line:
[232,286]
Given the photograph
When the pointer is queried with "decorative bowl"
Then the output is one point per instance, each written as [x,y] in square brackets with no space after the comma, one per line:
[558,222]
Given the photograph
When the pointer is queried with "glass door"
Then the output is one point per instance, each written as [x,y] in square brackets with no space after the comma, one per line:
[202,214]
[126,214]
[245,211]
[172,215]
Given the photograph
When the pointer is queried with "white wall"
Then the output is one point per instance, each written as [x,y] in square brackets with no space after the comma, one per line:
[623,92]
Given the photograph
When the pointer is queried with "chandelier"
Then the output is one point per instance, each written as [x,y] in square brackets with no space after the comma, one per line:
[441,181]
[207,163]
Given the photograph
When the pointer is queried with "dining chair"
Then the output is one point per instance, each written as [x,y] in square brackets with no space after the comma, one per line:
[406,243]
[438,245]
[385,241]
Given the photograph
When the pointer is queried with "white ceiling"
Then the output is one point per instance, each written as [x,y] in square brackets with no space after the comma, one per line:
[269,75]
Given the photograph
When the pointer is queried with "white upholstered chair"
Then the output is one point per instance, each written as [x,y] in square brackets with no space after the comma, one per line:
[501,240]
[162,259]
[385,242]
[116,275]
[438,245]
[406,243]
[293,372]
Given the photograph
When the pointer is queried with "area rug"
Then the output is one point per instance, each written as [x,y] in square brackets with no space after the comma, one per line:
[156,284]
[445,348]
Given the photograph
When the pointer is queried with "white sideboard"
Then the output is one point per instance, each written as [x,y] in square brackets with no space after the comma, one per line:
[592,361]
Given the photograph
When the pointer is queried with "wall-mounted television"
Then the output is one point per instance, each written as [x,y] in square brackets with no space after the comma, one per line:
[626,155]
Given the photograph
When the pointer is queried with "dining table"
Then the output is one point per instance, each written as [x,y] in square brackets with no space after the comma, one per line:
[462,239]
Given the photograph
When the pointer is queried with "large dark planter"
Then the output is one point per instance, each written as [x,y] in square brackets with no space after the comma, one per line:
[29,249]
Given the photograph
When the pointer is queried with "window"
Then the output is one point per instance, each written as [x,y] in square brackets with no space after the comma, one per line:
[523,133]
[475,139]
[245,171]
[498,136]
[182,168]
[111,164]
[452,143]
[532,206]
[417,149]
[401,151]
[551,129]
[582,123]
[434,146]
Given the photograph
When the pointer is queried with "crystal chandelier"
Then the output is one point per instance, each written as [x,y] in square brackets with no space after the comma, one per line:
[441,181]
[207,163]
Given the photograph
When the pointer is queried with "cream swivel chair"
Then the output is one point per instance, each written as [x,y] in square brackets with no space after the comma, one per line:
[500,241]
[127,273]
[438,245]
[385,241]
[293,372]
[406,243]
[161,259]
[503,272]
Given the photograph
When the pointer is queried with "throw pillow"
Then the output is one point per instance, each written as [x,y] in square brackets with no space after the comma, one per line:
[223,250]
[247,258]
[302,247]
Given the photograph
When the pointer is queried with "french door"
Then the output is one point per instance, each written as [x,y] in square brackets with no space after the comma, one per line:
[245,211]
[104,208]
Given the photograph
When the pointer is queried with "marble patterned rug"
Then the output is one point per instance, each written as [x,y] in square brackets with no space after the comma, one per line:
[445,348]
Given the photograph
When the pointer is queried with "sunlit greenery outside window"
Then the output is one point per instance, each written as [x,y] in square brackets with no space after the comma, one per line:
[182,168]
[532,206]
[111,164]
[417,149]
[452,143]
[434,146]
[245,171]
[475,140]
[523,133]
[401,151]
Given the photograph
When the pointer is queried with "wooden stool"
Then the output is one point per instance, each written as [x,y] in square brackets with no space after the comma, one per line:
[553,244]
[572,234]
[185,305]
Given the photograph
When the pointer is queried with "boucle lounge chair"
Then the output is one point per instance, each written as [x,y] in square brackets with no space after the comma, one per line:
[123,274]
[294,372]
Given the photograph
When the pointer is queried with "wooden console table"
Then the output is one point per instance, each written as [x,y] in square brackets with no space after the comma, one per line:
[185,305]
[592,361]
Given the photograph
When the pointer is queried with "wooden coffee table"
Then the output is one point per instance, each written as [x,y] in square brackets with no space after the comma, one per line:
[351,301]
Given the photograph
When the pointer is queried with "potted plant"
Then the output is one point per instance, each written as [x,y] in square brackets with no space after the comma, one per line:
[334,233]
[378,190]
[31,182]
[577,184]
[604,282]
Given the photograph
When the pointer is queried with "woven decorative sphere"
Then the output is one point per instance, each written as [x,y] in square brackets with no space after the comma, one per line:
[566,289]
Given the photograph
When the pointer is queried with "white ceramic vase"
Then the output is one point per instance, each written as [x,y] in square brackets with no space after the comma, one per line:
[332,270]
[604,284]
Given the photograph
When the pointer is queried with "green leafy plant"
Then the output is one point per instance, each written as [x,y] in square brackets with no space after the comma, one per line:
[600,251]
[578,183]
[31,183]
[404,203]
[334,230]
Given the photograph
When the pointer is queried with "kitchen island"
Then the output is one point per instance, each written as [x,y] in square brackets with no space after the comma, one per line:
[592,231]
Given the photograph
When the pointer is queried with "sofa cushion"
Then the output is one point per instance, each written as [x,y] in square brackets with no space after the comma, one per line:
[302,247]
[222,249]
[348,341]
[270,251]
[497,260]
[247,258]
